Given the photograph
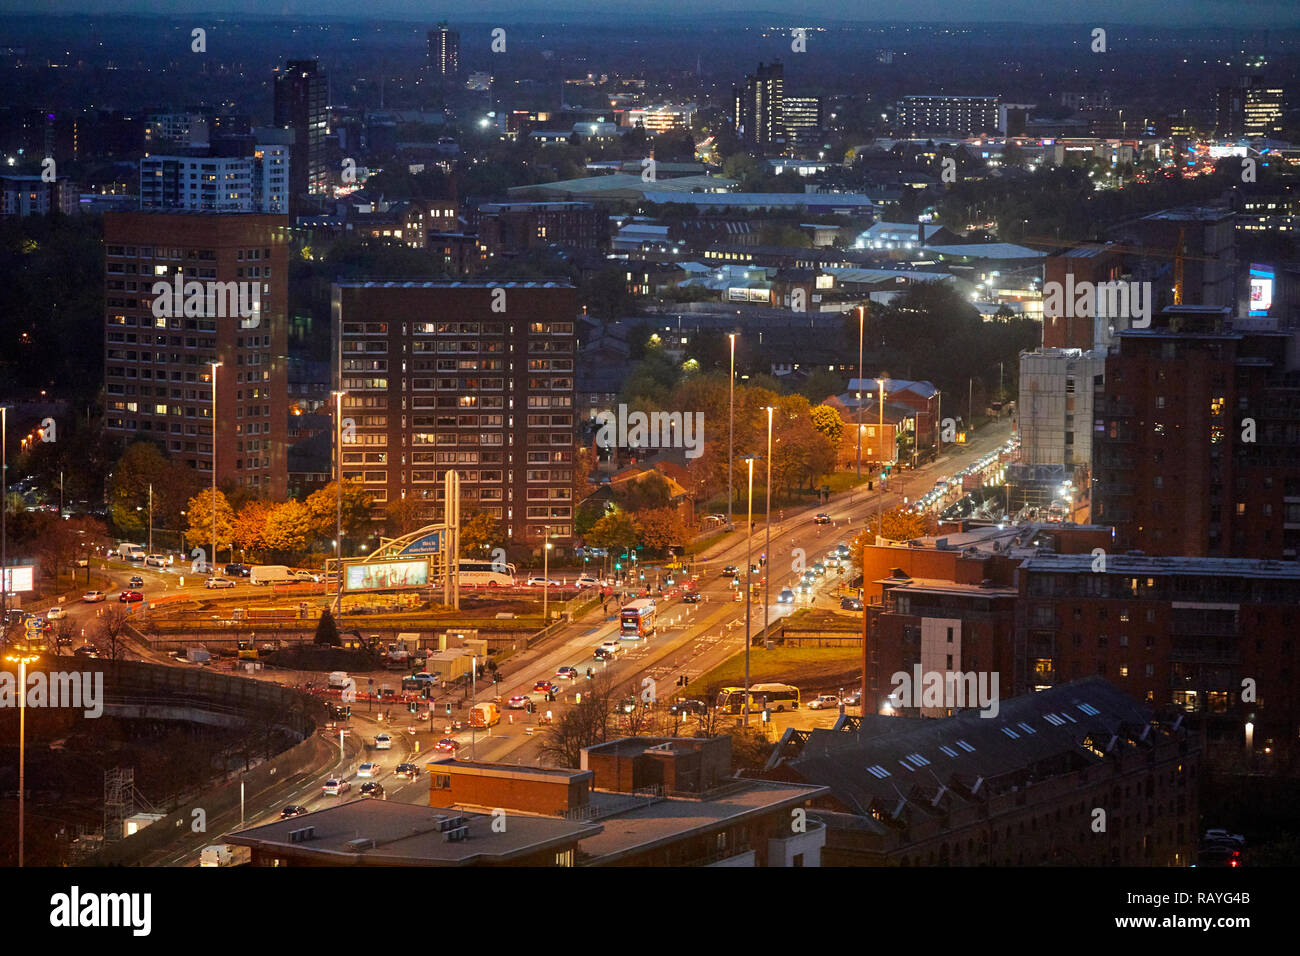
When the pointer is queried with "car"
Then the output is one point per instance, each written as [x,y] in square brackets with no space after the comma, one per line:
[730,571]
[567,672]
[130,597]
[517,702]
[851,604]
[425,677]
[819,569]
[335,787]
[156,560]
[785,597]
[307,577]
[383,742]
[408,770]
[603,654]
[538,582]
[822,518]
[546,687]
[372,788]
[1221,854]
[135,582]
[238,570]
[293,810]
[216,583]
[627,705]
[83,562]
[446,745]
[687,706]
[832,559]
[459,724]
[367,770]
[691,597]
[823,702]
[853,699]
[56,613]
[63,640]
[804,590]
[587,581]
[614,646]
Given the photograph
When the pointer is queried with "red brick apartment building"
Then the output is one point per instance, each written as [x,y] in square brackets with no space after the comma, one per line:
[1178,469]
[158,370]
[1021,788]
[1180,634]
[475,376]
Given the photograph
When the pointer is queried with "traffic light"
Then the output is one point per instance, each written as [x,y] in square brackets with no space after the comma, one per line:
[413,707]
[449,710]
[618,566]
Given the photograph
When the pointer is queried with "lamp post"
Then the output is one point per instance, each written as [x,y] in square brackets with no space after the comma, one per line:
[546,575]
[212,561]
[338,502]
[880,519]
[151,514]
[731,424]
[749,575]
[861,314]
[22,659]
[767,539]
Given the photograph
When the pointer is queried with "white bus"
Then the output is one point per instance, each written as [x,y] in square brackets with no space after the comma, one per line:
[486,574]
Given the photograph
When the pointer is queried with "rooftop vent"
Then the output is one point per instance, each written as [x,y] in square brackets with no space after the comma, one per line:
[302,834]
[455,834]
[987,583]
[360,843]
[900,574]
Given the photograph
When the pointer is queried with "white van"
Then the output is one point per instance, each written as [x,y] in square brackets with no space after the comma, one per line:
[271,574]
[131,552]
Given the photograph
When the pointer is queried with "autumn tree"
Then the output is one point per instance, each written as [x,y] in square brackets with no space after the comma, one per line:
[661,527]
[322,509]
[199,515]
[402,516]
[901,524]
[615,529]
[650,490]
[250,526]
[480,533]
[142,465]
[828,422]
[288,529]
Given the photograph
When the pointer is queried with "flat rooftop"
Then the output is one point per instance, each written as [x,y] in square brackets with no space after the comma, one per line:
[382,833]
[650,824]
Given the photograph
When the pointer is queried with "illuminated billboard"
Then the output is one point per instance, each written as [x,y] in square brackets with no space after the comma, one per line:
[386,576]
[1261,289]
[19,579]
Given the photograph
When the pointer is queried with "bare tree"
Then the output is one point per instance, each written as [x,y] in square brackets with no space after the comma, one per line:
[583,725]
[111,632]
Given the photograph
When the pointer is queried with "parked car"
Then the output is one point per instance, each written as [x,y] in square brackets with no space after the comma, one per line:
[56,613]
[822,518]
[538,582]
[446,745]
[293,811]
[785,597]
[135,582]
[851,603]
[130,597]
[824,702]
[237,570]
[217,583]
[567,672]
[372,788]
[408,770]
[367,769]
[335,787]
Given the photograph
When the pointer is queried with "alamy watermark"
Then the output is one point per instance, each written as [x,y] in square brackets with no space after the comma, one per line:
[1112,300]
[950,690]
[652,430]
[78,690]
[208,300]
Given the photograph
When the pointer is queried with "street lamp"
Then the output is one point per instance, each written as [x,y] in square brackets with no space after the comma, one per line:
[749,575]
[213,559]
[4,511]
[338,502]
[881,441]
[22,659]
[546,575]
[861,314]
[767,541]
[731,425]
